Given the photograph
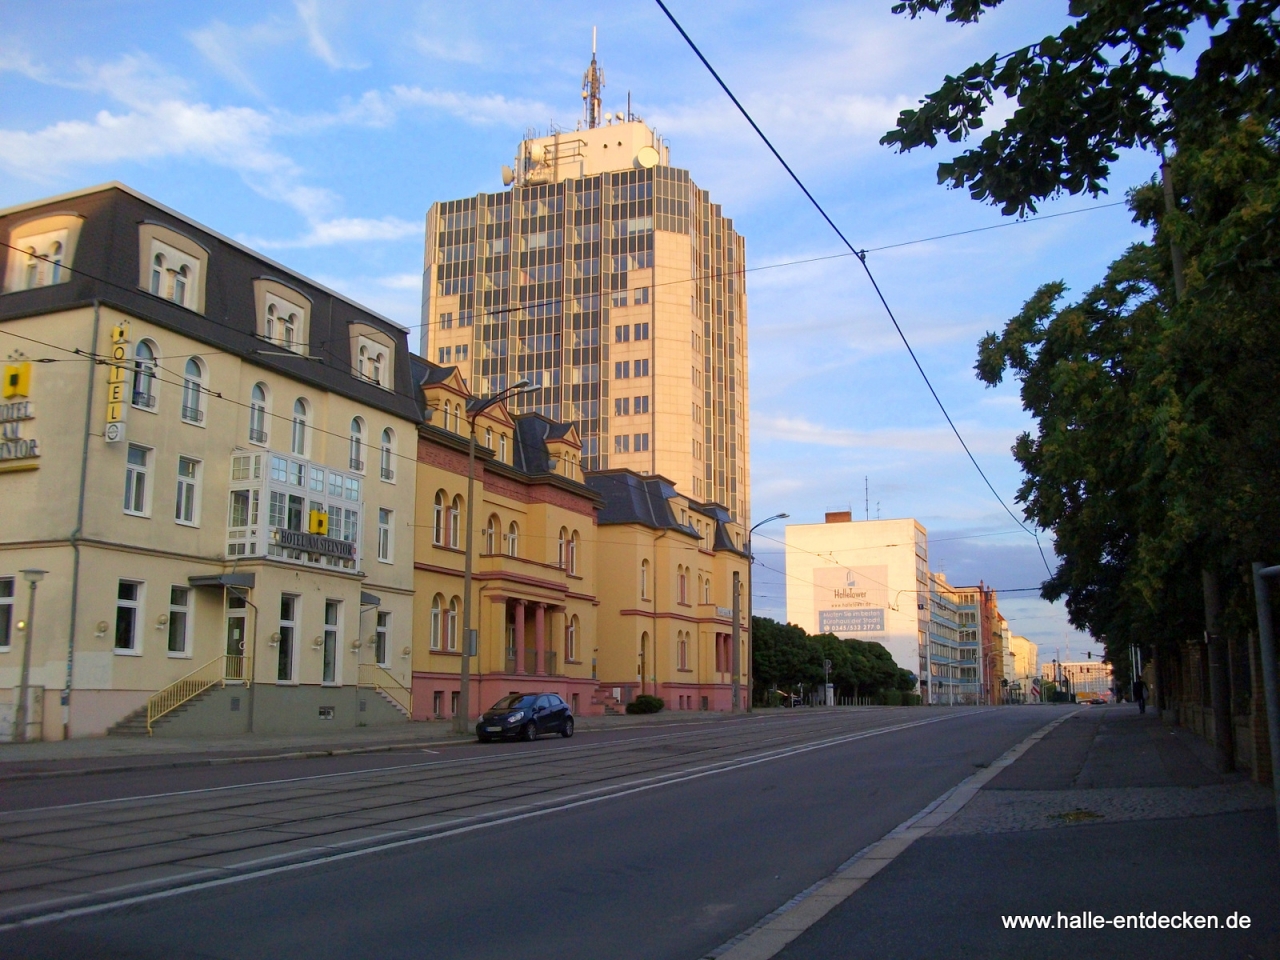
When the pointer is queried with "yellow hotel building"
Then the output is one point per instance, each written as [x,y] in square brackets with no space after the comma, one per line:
[608,277]
[210,458]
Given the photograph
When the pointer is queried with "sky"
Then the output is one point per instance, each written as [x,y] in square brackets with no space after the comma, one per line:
[320,133]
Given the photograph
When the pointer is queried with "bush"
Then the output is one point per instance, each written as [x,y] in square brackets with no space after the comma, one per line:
[645,703]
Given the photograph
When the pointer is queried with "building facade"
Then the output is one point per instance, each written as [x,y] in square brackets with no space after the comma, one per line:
[667,603]
[608,278]
[953,651]
[865,579]
[1085,678]
[211,457]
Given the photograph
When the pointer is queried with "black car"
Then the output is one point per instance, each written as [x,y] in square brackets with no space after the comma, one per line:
[525,716]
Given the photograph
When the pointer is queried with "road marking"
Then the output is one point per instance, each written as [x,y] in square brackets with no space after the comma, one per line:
[181,884]
[770,935]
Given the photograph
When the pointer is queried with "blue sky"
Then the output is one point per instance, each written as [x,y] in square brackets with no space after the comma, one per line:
[320,132]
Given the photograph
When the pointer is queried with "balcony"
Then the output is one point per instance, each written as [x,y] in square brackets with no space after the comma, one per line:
[357,464]
[388,473]
[257,436]
[144,399]
[192,414]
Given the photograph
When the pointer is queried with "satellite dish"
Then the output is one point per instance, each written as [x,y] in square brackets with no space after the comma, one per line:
[537,153]
[508,175]
[647,157]
[620,117]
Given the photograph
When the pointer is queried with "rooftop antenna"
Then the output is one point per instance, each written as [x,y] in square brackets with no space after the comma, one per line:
[592,81]
[866,496]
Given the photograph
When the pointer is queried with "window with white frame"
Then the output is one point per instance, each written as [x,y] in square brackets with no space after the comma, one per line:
[573,553]
[491,534]
[437,525]
[513,540]
[357,444]
[437,604]
[571,639]
[193,391]
[331,641]
[451,626]
[502,447]
[298,442]
[40,256]
[455,522]
[644,579]
[6,612]
[187,507]
[180,621]
[384,535]
[258,414]
[136,489]
[144,375]
[174,274]
[128,615]
[288,637]
[562,548]
[388,470]
[381,636]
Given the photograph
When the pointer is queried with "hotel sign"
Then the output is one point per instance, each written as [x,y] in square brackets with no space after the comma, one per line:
[117,384]
[16,413]
[314,543]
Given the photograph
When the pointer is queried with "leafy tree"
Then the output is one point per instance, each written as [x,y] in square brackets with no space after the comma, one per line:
[785,656]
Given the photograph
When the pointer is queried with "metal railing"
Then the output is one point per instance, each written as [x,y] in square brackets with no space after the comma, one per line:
[388,473]
[145,399]
[192,414]
[357,464]
[257,436]
[372,675]
[216,672]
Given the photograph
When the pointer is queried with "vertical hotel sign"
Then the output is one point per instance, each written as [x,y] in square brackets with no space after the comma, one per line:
[16,413]
[117,384]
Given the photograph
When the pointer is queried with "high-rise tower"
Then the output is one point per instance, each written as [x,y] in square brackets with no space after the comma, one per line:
[608,277]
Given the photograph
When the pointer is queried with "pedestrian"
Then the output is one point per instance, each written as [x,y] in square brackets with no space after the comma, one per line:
[1140,695]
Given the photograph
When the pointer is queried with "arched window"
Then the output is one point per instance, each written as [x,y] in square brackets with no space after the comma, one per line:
[157,275]
[180,285]
[361,361]
[573,553]
[388,451]
[451,637]
[271,318]
[700,600]
[375,368]
[513,540]
[357,444]
[562,549]
[192,391]
[437,524]
[682,651]
[144,375]
[502,447]
[682,589]
[55,264]
[644,579]
[457,418]
[437,603]
[445,422]
[571,638]
[288,330]
[455,521]
[258,414]
[706,591]
[299,444]
[31,275]
[491,534]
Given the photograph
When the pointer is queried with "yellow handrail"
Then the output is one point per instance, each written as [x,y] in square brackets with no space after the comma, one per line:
[372,675]
[217,671]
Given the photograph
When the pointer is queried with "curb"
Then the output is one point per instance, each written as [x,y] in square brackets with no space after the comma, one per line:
[775,931]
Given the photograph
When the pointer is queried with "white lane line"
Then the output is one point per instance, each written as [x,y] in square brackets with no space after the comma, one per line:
[498,818]
[599,747]
[770,935]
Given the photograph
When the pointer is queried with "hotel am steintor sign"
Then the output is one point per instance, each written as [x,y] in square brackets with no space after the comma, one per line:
[18,449]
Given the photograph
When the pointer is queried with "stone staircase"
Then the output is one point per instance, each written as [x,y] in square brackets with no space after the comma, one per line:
[603,697]
[399,707]
[135,724]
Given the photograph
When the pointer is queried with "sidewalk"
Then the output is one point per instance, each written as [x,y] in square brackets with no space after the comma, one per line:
[112,754]
[1110,814]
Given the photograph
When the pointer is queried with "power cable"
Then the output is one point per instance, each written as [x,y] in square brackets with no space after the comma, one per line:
[862,258]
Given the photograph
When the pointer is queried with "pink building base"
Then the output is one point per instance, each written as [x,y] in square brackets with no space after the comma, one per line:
[434,694]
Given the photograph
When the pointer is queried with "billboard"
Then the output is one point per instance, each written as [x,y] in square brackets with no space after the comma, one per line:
[851,601]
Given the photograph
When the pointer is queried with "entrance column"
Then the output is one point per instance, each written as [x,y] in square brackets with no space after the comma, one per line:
[540,637]
[520,656]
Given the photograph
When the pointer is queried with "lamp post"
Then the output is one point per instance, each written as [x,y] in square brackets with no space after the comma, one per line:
[462,720]
[32,576]
[751,557]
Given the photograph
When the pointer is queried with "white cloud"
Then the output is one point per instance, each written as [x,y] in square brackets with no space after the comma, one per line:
[483,109]
[309,14]
[349,230]
[933,440]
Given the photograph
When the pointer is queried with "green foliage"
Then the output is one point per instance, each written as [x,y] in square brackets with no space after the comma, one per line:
[785,656]
[1104,83]
[645,703]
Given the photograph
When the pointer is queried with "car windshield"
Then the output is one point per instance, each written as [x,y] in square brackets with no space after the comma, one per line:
[514,702]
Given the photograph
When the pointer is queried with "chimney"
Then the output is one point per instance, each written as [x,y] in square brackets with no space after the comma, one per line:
[841,516]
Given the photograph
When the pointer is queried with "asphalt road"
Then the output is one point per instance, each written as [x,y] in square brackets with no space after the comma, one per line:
[640,843]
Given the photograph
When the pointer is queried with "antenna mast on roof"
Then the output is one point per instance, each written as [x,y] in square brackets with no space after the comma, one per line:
[592,81]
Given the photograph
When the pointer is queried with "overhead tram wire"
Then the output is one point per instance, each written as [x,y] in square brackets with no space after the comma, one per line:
[862,258]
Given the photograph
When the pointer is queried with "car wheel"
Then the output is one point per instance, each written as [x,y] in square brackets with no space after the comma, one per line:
[530,731]
[482,738]
[567,730]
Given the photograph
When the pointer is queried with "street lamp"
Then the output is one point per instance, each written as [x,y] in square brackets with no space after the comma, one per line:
[32,576]
[750,619]
[461,720]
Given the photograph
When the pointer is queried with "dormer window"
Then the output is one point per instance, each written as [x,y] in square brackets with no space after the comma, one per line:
[373,351]
[283,315]
[174,265]
[40,252]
